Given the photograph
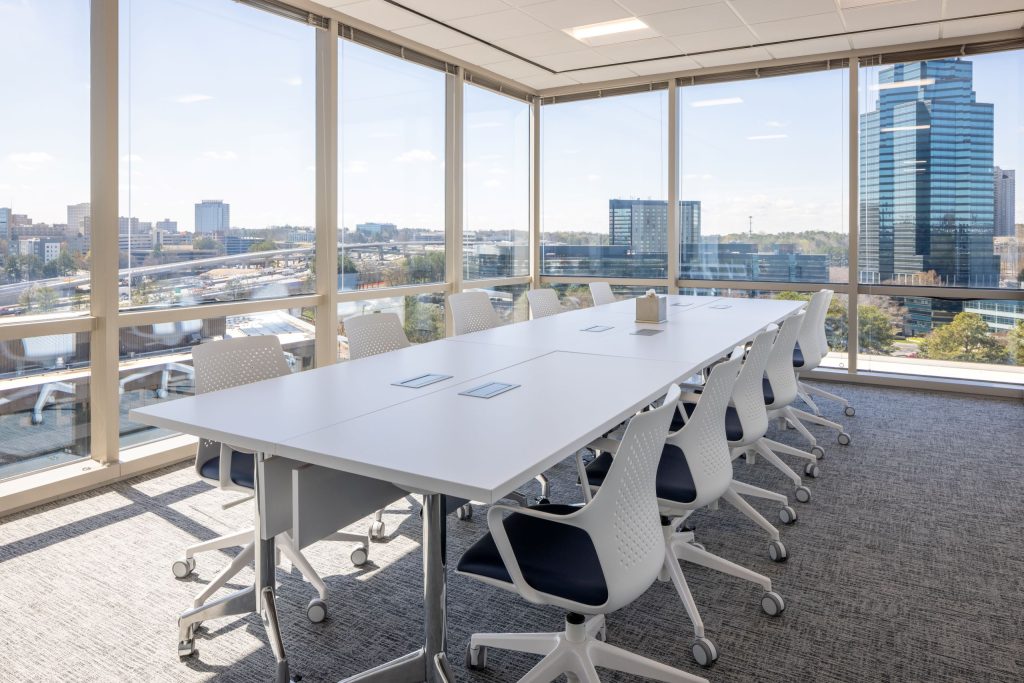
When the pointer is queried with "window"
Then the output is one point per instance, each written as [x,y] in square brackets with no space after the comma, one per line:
[44,157]
[392,152]
[575,296]
[217,154]
[763,179]
[422,316]
[604,211]
[496,182]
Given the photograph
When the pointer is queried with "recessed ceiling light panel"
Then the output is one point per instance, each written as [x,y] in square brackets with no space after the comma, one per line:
[606,28]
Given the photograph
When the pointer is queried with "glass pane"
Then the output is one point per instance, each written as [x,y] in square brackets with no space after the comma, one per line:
[44,157]
[578,295]
[604,211]
[44,402]
[980,340]
[941,144]
[392,142]
[510,302]
[496,185]
[156,360]
[217,154]
[763,179]
[422,316]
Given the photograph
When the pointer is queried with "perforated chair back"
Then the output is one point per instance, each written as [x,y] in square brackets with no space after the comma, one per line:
[372,333]
[543,302]
[702,439]
[748,393]
[779,371]
[49,348]
[622,519]
[601,293]
[472,312]
[812,341]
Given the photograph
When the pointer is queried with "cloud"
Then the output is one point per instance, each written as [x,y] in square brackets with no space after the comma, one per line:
[415,156]
[775,124]
[356,167]
[776,136]
[215,155]
[192,98]
[30,158]
[293,81]
[134,158]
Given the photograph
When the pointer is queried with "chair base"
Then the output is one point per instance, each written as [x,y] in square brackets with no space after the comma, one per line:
[575,652]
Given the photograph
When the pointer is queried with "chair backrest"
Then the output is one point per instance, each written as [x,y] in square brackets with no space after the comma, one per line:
[48,348]
[811,338]
[372,333]
[622,519]
[543,302]
[747,393]
[601,293]
[779,370]
[234,362]
[472,312]
[702,439]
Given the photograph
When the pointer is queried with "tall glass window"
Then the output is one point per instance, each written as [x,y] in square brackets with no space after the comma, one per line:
[44,157]
[217,153]
[763,168]
[392,150]
[603,174]
[496,185]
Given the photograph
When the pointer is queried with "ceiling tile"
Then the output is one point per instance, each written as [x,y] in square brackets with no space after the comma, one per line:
[664,66]
[569,13]
[692,20]
[383,15]
[538,44]
[577,59]
[516,68]
[478,53]
[805,27]
[498,25]
[454,9]
[739,36]
[638,49]
[966,8]
[548,81]
[435,36]
[741,56]
[816,46]
[979,25]
[892,14]
[639,7]
[759,11]
[605,73]
[895,36]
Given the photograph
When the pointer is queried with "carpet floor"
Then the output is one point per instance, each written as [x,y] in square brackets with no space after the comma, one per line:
[907,565]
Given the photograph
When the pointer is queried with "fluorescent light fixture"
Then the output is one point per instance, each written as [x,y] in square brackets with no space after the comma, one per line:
[915,83]
[718,102]
[850,4]
[899,128]
[606,28]
[776,136]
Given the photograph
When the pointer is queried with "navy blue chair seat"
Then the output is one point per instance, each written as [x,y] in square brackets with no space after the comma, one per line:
[675,483]
[243,468]
[733,428]
[798,357]
[556,559]
[769,394]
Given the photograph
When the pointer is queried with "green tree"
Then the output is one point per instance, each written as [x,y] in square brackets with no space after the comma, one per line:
[428,267]
[424,321]
[38,299]
[1016,343]
[12,268]
[61,266]
[965,339]
[874,330]
[264,245]
[346,264]
[207,244]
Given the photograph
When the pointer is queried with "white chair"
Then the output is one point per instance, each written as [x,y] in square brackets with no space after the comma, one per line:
[372,333]
[49,352]
[589,560]
[222,365]
[696,471]
[164,336]
[601,293]
[472,312]
[543,302]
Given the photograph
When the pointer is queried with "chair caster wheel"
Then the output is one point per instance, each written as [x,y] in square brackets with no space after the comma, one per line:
[803,494]
[377,531]
[359,556]
[543,501]
[464,512]
[316,611]
[772,604]
[849,411]
[811,470]
[818,452]
[777,551]
[843,439]
[161,393]
[787,515]
[476,657]
[186,648]
[182,568]
[37,419]
[704,652]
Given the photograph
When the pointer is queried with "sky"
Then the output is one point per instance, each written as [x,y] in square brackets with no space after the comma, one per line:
[218,102]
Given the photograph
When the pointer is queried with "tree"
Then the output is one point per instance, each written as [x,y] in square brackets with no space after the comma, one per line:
[1016,343]
[965,339]
[264,245]
[207,244]
[346,264]
[428,267]
[424,321]
[63,265]
[38,299]
[874,330]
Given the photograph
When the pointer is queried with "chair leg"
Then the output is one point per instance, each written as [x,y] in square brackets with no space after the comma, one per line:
[675,572]
[750,513]
[789,450]
[770,456]
[545,486]
[806,398]
[691,553]
[615,658]
[745,489]
[241,560]
[825,394]
[531,643]
[548,669]
[348,537]
[239,538]
[804,415]
[299,561]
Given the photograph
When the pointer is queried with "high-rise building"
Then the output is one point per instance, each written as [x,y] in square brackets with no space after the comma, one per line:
[212,215]
[78,218]
[5,223]
[641,225]
[1006,201]
[126,225]
[167,225]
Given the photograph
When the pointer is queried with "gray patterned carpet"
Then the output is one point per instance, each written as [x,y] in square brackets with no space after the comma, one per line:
[908,565]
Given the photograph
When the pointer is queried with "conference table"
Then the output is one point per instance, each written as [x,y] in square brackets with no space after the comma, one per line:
[505,405]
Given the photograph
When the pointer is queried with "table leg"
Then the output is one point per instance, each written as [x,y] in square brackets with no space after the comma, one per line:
[429,664]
